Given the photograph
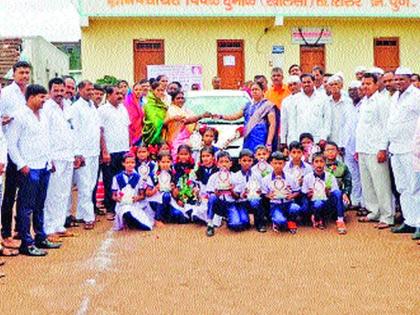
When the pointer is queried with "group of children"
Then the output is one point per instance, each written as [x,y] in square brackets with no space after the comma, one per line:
[297,186]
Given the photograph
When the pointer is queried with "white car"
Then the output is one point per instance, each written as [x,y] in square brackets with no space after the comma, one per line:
[221,102]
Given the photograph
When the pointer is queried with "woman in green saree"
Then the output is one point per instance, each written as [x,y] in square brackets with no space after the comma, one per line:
[154,115]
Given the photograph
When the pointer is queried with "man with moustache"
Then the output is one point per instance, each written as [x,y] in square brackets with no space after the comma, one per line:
[114,141]
[63,151]
[84,120]
[29,149]
[288,116]
[70,86]
[388,82]
[12,100]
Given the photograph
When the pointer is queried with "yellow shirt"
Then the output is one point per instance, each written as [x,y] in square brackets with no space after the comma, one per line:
[277,95]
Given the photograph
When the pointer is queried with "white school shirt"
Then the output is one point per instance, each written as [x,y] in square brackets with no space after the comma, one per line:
[28,139]
[290,169]
[62,141]
[267,185]
[340,115]
[309,182]
[288,120]
[115,122]
[403,114]
[11,100]
[371,134]
[116,188]
[240,181]
[313,115]
[213,184]
[85,122]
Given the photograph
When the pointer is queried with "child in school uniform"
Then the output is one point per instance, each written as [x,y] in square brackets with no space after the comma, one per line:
[298,169]
[129,192]
[340,170]
[206,167]
[144,161]
[282,190]
[247,184]
[325,197]
[261,156]
[309,147]
[222,196]
[209,137]
[161,197]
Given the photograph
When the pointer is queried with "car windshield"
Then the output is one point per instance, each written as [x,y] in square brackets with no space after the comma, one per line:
[223,105]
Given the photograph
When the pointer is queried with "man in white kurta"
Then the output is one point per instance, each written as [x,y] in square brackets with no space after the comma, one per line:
[62,153]
[288,109]
[416,168]
[371,146]
[313,113]
[404,112]
[85,122]
[341,108]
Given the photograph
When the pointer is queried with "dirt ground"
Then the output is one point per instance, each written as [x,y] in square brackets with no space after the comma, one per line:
[178,270]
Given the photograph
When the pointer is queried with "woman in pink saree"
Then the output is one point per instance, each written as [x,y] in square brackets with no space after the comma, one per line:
[134,105]
[180,122]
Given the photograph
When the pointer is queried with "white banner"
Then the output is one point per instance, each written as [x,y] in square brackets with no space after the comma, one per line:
[187,75]
[180,8]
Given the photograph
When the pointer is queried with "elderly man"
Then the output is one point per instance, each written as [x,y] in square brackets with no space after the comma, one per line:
[278,92]
[313,113]
[404,112]
[63,149]
[371,147]
[114,141]
[288,116]
[70,86]
[350,159]
[12,100]
[341,110]
[85,122]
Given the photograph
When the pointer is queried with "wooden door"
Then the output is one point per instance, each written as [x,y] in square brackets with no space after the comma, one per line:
[387,53]
[230,63]
[147,52]
[311,56]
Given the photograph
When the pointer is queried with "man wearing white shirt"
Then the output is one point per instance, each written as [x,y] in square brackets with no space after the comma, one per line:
[341,107]
[70,85]
[288,116]
[371,147]
[115,141]
[404,112]
[29,149]
[12,100]
[63,155]
[85,122]
[318,74]
[313,115]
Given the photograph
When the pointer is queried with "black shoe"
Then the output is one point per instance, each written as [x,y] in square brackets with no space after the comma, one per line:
[48,245]
[33,251]
[210,231]
[403,228]
[262,228]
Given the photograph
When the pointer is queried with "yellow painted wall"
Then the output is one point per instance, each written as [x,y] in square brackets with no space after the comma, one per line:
[107,44]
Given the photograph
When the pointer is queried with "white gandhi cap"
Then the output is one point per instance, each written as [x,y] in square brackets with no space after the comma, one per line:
[403,71]
[293,79]
[355,84]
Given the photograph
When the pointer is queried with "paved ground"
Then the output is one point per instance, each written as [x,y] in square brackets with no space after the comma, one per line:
[178,270]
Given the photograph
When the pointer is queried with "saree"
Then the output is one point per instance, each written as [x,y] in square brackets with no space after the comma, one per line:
[177,132]
[256,123]
[136,115]
[154,117]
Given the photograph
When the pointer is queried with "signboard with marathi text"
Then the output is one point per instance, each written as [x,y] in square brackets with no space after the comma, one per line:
[311,35]
[258,8]
[187,75]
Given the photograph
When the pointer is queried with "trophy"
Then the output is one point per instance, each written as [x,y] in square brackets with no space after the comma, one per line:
[252,189]
[144,171]
[280,188]
[319,190]
[297,173]
[263,168]
[127,195]
[224,180]
[164,180]
[195,141]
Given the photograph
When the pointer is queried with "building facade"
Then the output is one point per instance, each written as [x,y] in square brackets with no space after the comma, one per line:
[121,38]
